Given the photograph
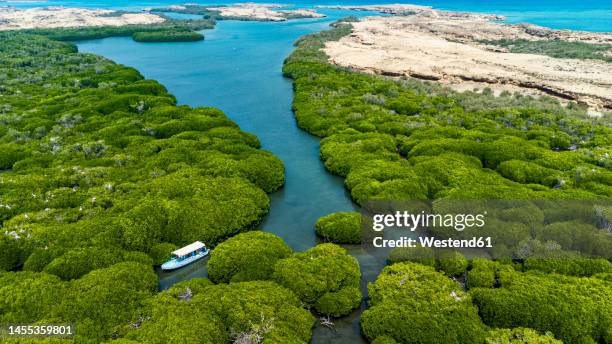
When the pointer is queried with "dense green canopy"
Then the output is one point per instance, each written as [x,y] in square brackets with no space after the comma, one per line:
[170,30]
[519,336]
[324,277]
[340,228]
[575,310]
[199,312]
[98,303]
[412,303]
[399,140]
[97,162]
[246,257]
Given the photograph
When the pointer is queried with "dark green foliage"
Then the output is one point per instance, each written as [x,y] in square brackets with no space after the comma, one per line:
[579,236]
[575,310]
[11,153]
[167,36]
[569,266]
[196,285]
[116,294]
[77,262]
[340,228]
[519,336]
[28,296]
[482,273]
[421,255]
[171,30]
[246,257]
[161,252]
[384,340]
[9,252]
[412,303]
[557,48]
[97,303]
[337,304]
[199,312]
[452,263]
[324,277]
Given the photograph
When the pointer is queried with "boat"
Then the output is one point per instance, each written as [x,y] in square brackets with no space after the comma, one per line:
[186,255]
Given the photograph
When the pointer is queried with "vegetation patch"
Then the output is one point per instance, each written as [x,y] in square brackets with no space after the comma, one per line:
[167,36]
[520,336]
[246,257]
[324,277]
[395,140]
[576,310]
[171,30]
[247,312]
[412,303]
[409,139]
[557,48]
[340,228]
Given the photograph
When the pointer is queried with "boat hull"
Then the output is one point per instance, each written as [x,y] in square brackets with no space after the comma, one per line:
[176,264]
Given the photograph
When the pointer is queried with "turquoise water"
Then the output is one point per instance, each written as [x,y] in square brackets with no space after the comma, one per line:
[591,15]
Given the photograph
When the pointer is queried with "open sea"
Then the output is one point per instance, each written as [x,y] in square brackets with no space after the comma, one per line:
[589,15]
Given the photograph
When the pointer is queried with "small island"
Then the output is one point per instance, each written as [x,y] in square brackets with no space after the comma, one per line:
[167,36]
[242,11]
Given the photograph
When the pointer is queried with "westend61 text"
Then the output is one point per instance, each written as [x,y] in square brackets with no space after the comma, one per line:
[432,242]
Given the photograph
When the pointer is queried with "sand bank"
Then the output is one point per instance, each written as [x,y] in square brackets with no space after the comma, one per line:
[264,12]
[55,17]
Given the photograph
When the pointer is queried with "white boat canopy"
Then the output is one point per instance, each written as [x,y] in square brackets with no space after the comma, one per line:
[183,251]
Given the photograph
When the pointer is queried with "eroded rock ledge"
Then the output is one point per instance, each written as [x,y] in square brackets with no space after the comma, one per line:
[447,46]
[56,17]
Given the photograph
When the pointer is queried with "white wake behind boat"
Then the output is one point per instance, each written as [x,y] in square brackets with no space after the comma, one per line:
[186,255]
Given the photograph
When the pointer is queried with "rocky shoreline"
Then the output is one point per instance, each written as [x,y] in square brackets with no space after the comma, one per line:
[64,17]
[450,47]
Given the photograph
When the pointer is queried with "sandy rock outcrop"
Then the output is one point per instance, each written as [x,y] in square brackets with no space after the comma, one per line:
[264,12]
[55,17]
[448,48]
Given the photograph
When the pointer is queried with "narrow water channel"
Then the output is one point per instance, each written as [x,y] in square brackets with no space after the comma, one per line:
[238,69]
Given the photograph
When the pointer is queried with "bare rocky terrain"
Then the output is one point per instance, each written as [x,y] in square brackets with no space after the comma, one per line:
[424,43]
[55,17]
[264,12]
